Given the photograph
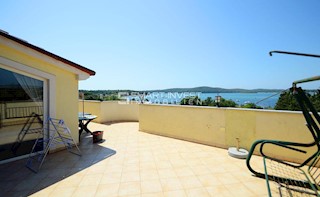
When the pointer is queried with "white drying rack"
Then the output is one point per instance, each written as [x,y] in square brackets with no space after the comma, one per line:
[54,132]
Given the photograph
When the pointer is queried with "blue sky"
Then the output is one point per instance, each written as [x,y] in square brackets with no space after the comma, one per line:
[158,44]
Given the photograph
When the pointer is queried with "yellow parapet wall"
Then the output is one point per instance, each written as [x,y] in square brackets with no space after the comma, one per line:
[221,126]
[111,111]
[202,125]
[209,125]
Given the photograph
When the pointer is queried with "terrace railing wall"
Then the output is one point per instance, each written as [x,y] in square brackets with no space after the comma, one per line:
[111,111]
[221,127]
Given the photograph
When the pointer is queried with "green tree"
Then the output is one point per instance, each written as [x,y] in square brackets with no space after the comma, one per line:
[91,96]
[315,99]
[111,97]
[208,102]
[287,101]
[251,106]
[195,100]
[227,103]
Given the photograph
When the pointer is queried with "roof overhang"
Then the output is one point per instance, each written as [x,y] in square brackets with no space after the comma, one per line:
[32,50]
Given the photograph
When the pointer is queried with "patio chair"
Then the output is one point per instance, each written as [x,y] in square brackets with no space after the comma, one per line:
[293,179]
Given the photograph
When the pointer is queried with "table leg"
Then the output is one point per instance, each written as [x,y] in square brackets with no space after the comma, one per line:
[81,126]
[86,126]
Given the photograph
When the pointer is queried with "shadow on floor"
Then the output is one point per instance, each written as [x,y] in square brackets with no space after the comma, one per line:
[17,180]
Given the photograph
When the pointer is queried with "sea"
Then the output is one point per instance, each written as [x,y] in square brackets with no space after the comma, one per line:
[263,99]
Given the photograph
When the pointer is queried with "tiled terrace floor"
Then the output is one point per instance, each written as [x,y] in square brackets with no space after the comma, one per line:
[143,165]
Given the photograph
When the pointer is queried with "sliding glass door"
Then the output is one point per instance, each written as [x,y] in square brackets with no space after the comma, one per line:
[21,113]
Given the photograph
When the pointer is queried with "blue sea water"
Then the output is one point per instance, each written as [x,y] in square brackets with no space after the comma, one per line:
[242,98]
[239,98]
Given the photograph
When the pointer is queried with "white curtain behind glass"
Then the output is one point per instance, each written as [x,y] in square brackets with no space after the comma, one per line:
[32,87]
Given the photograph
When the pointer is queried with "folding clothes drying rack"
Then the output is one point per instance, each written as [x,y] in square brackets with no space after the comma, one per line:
[54,132]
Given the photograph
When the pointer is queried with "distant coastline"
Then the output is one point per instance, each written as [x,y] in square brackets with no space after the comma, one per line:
[206,89]
[202,89]
[266,98]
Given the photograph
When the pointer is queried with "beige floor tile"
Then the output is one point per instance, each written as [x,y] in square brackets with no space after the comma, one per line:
[129,188]
[163,165]
[109,190]
[148,165]
[209,180]
[190,182]
[188,155]
[177,193]
[151,186]
[196,192]
[244,175]
[183,171]
[98,169]
[239,190]
[167,173]
[171,184]
[85,191]
[63,192]
[113,167]
[178,163]
[146,158]
[161,157]
[112,177]
[157,194]
[90,180]
[233,168]
[216,169]
[130,176]
[258,187]
[132,160]
[148,174]
[200,170]
[130,167]
[219,191]
[226,178]
[210,160]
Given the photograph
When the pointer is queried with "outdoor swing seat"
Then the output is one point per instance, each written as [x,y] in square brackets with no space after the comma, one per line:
[293,179]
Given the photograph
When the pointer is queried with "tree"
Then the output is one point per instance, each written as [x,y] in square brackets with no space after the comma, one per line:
[227,103]
[195,100]
[91,96]
[315,99]
[208,102]
[112,97]
[287,101]
[251,106]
